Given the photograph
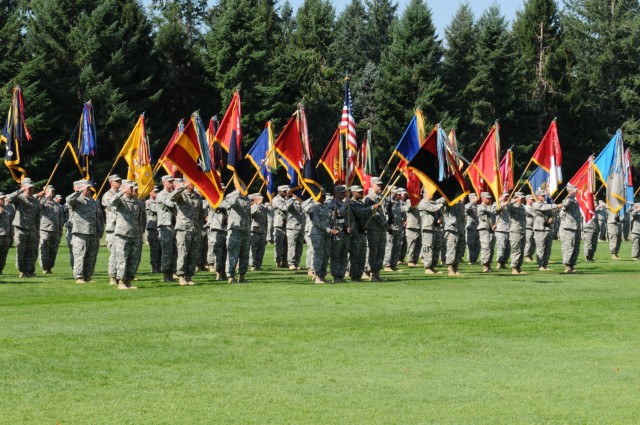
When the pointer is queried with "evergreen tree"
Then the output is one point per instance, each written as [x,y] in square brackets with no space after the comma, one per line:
[11,53]
[190,13]
[409,74]
[350,48]
[381,16]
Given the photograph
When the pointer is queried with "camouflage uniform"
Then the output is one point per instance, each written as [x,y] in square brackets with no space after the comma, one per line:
[626,225]
[472,234]
[129,223]
[26,231]
[259,219]
[614,232]
[189,219]
[602,213]
[295,231]
[320,218]
[635,232]
[307,234]
[238,208]
[590,233]
[51,225]
[486,221]
[530,243]
[110,225]
[570,220]
[204,237]
[279,205]
[166,213]
[358,243]
[269,222]
[542,228]
[86,226]
[517,233]
[341,219]
[376,234]
[451,226]
[217,239]
[5,236]
[155,252]
[430,214]
[503,248]
[394,236]
[412,232]
[68,212]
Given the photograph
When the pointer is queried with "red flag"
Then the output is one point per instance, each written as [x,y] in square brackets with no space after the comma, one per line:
[185,155]
[585,182]
[169,167]
[506,171]
[229,130]
[483,170]
[330,159]
[549,157]
[414,187]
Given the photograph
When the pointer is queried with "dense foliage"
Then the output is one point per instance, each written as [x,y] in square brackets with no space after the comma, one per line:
[578,61]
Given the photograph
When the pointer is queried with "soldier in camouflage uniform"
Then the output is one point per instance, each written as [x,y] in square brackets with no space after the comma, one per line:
[503,248]
[321,234]
[295,230]
[306,204]
[542,227]
[634,215]
[377,228]
[259,217]
[166,213]
[5,232]
[412,233]
[203,263]
[51,226]
[26,225]
[486,227]
[626,226]
[217,239]
[404,198]
[394,236]
[517,231]
[471,229]
[358,243]
[602,214]
[189,219]
[450,218]
[110,222]
[129,214]
[87,225]
[269,223]
[151,209]
[590,233]
[529,241]
[67,225]
[430,216]
[279,205]
[238,208]
[570,221]
[614,233]
[341,220]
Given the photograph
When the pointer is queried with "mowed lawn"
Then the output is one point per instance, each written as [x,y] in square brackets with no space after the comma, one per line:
[482,349]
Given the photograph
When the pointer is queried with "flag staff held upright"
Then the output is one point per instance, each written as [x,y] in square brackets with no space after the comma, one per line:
[97,195]
[55,168]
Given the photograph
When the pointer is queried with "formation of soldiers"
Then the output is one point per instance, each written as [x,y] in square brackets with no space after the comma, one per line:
[348,234]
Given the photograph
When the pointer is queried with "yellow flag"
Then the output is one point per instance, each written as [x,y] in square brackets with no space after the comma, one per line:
[136,152]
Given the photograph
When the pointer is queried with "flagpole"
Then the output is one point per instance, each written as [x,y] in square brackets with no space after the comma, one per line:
[517,186]
[66,146]
[636,192]
[108,174]
[387,166]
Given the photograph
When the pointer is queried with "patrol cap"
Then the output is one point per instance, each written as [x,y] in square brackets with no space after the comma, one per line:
[473,196]
[167,178]
[341,188]
[2,195]
[156,188]
[402,190]
[570,187]
[127,183]
[178,181]
[518,195]
[50,187]
[486,195]
[80,183]
[529,196]
[115,178]
[376,180]
[57,196]
[283,188]
[356,188]
[258,195]
[393,189]
[26,182]
[540,192]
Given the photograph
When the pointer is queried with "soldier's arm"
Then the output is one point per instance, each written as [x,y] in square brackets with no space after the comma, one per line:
[176,195]
[72,200]
[14,198]
[116,201]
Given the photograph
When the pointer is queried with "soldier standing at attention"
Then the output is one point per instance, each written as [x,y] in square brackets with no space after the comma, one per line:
[590,233]
[51,225]
[258,231]
[204,236]
[238,209]
[321,234]
[127,234]
[471,229]
[306,204]
[486,227]
[542,227]
[151,209]
[614,233]
[295,230]
[601,214]
[189,219]
[269,223]
[517,231]
[110,222]
[570,221]
[26,224]
[430,214]
[403,196]
[394,234]
[358,243]
[634,216]
[5,232]
[86,228]
[503,248]
[341,219]
[412,233]
[377,227]
[166,211]
[217,240]
[530,243]
[280,225]
[450,218]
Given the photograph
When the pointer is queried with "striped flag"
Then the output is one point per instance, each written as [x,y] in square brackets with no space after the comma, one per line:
[348,133]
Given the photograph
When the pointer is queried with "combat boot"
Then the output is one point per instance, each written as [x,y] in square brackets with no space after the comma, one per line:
[231,280]
[514,271]
[80,280]
[182,281]
[112,281]
[318,279]
[455,269]
[451,271]
[219,277]
[190,282]
[212,269]
[122,284]
[129,285]
[499,266]
[486,268]
[167,278]
[241,279]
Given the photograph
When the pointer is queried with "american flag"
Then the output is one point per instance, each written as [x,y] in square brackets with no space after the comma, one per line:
[348,130]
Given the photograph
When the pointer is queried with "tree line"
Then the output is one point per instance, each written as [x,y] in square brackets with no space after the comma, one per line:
[578,62]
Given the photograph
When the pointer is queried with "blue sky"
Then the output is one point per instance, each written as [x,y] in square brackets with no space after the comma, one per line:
[443,10]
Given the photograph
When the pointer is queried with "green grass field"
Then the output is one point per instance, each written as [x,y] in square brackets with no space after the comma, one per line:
[482,349]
